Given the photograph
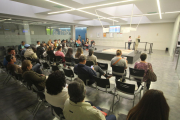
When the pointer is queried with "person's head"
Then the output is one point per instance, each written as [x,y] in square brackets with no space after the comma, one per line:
[139,36]
[79,35]
[23,43]
[34,49]
[87,39]
[91,52]
[77,91]
[11,58]
[11,51]
[118,52]
[42,45]
[59,40]
[55,82]
[38,42]
[129,36]
[26,65]
[78,52]
[50,48]
[82,40]
[143,56]
[59,48]
[82,59]
[49,42]
[26,46]
[69,52]
[153,106]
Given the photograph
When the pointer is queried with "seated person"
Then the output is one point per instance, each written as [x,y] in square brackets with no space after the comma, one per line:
[153,105]
[56,92]
[92,43]
[81,68]
[79,52]
[21,47]
[29,53]
[11,66]
[78,43]
[39,80]
[92,57]
[59,53]
[55,44]
[50,53]
[38,44]
[64,49]
[143,65]
[69,54]
[25,48]
[75,108]
[87,43]
[10,51]
[40,50]
[119,61]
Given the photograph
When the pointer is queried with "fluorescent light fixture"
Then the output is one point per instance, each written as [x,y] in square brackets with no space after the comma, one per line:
[105,4]
[159,8]
[61,11]
[59,4]
[172,12]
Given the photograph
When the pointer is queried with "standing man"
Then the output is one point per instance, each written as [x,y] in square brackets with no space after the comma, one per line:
[137,42]
[79,37]
[129,42]
[38,44]
[21,47]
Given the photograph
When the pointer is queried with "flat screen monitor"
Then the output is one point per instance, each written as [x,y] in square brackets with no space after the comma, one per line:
[114,29]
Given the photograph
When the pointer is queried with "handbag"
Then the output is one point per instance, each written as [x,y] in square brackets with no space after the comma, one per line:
[151,76]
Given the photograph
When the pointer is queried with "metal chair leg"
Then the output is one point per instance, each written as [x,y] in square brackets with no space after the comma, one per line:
[35,112]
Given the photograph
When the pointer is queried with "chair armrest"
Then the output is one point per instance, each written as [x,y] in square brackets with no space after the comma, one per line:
[139,90]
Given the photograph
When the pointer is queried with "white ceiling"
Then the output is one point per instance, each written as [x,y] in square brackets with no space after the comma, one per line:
[76,15]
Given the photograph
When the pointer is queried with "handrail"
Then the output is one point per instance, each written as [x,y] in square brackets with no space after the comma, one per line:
[151,45]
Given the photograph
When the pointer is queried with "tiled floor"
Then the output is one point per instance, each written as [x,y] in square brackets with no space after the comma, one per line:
[16,102]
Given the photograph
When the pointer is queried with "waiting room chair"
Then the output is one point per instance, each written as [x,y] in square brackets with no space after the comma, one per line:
[68,61]
[138,75]
[104,85]
[57,112]
[118,71]
[76,61]
[89,63]
[126,91]
[54,68]
[103,66]
[84,78]
[46,66]
[69,73]
[59,59]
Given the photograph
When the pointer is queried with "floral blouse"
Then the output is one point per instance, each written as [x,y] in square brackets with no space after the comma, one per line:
[143,66]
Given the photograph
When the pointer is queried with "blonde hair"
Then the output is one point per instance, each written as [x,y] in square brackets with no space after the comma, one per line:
[25,64]
[118,52]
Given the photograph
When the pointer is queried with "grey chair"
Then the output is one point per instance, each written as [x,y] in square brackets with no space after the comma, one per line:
[69,73]
[103,66]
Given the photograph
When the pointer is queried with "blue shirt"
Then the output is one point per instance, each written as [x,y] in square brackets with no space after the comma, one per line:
[83,69]
[5,62]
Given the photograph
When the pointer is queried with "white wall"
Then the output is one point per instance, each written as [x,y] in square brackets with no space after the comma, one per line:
[38,30]
[158,34]
[174,36]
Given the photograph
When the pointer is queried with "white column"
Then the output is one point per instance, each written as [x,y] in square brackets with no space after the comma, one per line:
[73,32]
[27,33]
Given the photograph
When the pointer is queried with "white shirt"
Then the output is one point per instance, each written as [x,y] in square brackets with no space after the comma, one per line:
[81,111]
[57,100]
[37,46]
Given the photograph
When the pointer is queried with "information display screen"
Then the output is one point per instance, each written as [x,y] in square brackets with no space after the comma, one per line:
[114,29]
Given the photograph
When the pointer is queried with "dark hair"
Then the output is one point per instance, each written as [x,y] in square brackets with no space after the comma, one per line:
[22,42]
[34,49]
[79,52]
[69,52]
[37,41]
[55,82]
[152,106]
[90,52]
[82,58]
[59,47]
[42,44]
[9,50]
[143,56]
[76,90]
[129,36]
[118,52]
[9,57]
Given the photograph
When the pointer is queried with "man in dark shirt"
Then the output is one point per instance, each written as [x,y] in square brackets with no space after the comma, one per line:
[81,68]
[10,51]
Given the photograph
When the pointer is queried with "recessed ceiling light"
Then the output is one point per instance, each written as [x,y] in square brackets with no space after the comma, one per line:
[159,8]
